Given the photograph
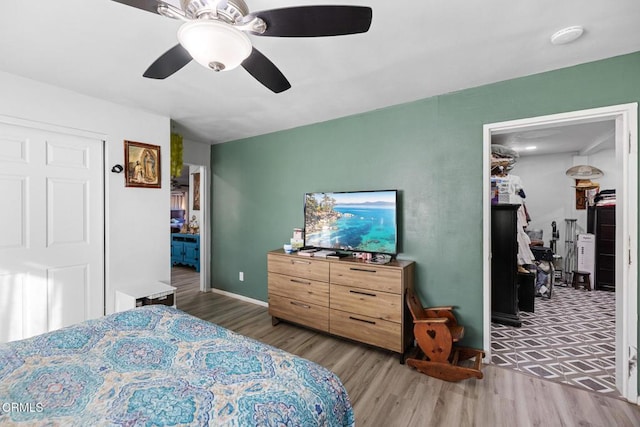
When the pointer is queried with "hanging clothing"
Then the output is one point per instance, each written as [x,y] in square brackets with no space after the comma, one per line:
[511,190]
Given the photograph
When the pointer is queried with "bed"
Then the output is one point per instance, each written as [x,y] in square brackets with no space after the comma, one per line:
[177,220]
[156,365]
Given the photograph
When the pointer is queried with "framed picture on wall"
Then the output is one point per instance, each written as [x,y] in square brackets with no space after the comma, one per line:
[196,191]
[142,165]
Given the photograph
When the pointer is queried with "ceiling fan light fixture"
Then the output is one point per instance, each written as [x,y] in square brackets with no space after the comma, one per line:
[214,44]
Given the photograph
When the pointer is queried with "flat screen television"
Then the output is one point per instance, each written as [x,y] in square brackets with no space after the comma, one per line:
[358,221]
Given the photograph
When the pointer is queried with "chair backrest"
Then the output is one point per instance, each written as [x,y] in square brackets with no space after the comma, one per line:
[419,312]
[414,304]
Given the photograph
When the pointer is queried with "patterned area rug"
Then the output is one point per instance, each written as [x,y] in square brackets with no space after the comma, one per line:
[569,339]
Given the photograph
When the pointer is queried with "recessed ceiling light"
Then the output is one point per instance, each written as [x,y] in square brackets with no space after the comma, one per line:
[567,35]
[527,148]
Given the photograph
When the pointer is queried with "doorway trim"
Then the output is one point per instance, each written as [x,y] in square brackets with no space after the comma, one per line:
[205,241]
[626,142]
[204,225]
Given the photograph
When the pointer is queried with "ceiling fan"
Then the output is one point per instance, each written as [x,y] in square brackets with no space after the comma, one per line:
[177,185]
[214,34]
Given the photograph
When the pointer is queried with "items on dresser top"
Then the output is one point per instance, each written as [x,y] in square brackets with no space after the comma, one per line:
[367,257]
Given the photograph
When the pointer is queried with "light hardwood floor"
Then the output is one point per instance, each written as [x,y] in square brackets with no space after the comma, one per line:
[385,393]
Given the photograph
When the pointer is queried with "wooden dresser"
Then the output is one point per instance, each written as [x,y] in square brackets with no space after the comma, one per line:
[185,249]
[347,297]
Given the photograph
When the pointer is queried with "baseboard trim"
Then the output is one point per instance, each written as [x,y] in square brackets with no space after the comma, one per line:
[240,297]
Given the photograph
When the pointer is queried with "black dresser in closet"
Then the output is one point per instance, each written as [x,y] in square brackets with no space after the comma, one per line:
[504,265]
[601,221]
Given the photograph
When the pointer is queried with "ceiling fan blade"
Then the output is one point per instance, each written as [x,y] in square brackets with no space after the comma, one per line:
[148,5]
[168,63]
[263,70]
[315,21]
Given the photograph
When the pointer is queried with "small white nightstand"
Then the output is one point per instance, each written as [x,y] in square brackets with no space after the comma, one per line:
[145,294]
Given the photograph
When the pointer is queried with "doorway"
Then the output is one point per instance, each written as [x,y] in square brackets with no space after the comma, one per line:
[625,118]
[189,225]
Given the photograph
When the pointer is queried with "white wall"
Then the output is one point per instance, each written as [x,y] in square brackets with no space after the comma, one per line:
[550,192]
[137,241]
[196,153]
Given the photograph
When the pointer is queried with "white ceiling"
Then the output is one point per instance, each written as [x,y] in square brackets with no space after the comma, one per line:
[581,139]
[414,50]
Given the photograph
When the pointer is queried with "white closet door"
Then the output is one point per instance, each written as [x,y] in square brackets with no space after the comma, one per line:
[52,229]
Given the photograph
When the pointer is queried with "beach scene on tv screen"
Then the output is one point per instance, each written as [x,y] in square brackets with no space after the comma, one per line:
[363,221]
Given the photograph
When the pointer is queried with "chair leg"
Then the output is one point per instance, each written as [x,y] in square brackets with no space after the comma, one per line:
[469,353]
[444,371]
[451,371]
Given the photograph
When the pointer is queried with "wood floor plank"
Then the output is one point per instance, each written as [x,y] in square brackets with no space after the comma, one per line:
[387,394]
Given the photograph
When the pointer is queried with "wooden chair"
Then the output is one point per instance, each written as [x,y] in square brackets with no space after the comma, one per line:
[436,331]
[581,278]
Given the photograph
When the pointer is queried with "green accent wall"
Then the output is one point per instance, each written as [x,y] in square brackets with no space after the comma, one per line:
[430,150]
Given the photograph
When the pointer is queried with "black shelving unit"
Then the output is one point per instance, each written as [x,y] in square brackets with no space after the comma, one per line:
[504,265]
[601,221]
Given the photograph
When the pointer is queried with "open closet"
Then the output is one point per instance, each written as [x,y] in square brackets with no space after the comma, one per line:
[553,220]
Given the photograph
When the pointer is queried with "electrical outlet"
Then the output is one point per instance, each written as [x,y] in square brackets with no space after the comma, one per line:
[241,276]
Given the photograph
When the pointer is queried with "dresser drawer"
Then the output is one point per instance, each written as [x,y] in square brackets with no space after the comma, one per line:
[366,329]
[298,266]
[372,303]
[304,290]
[367,276]
[311,315]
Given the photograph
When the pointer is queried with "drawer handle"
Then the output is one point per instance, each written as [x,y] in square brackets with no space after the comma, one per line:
[371,322]
[302,282]
[365,270]
[363,293]
[295,261]
[299,304]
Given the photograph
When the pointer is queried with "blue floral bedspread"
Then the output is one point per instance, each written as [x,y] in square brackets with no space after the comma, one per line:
[158,366]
